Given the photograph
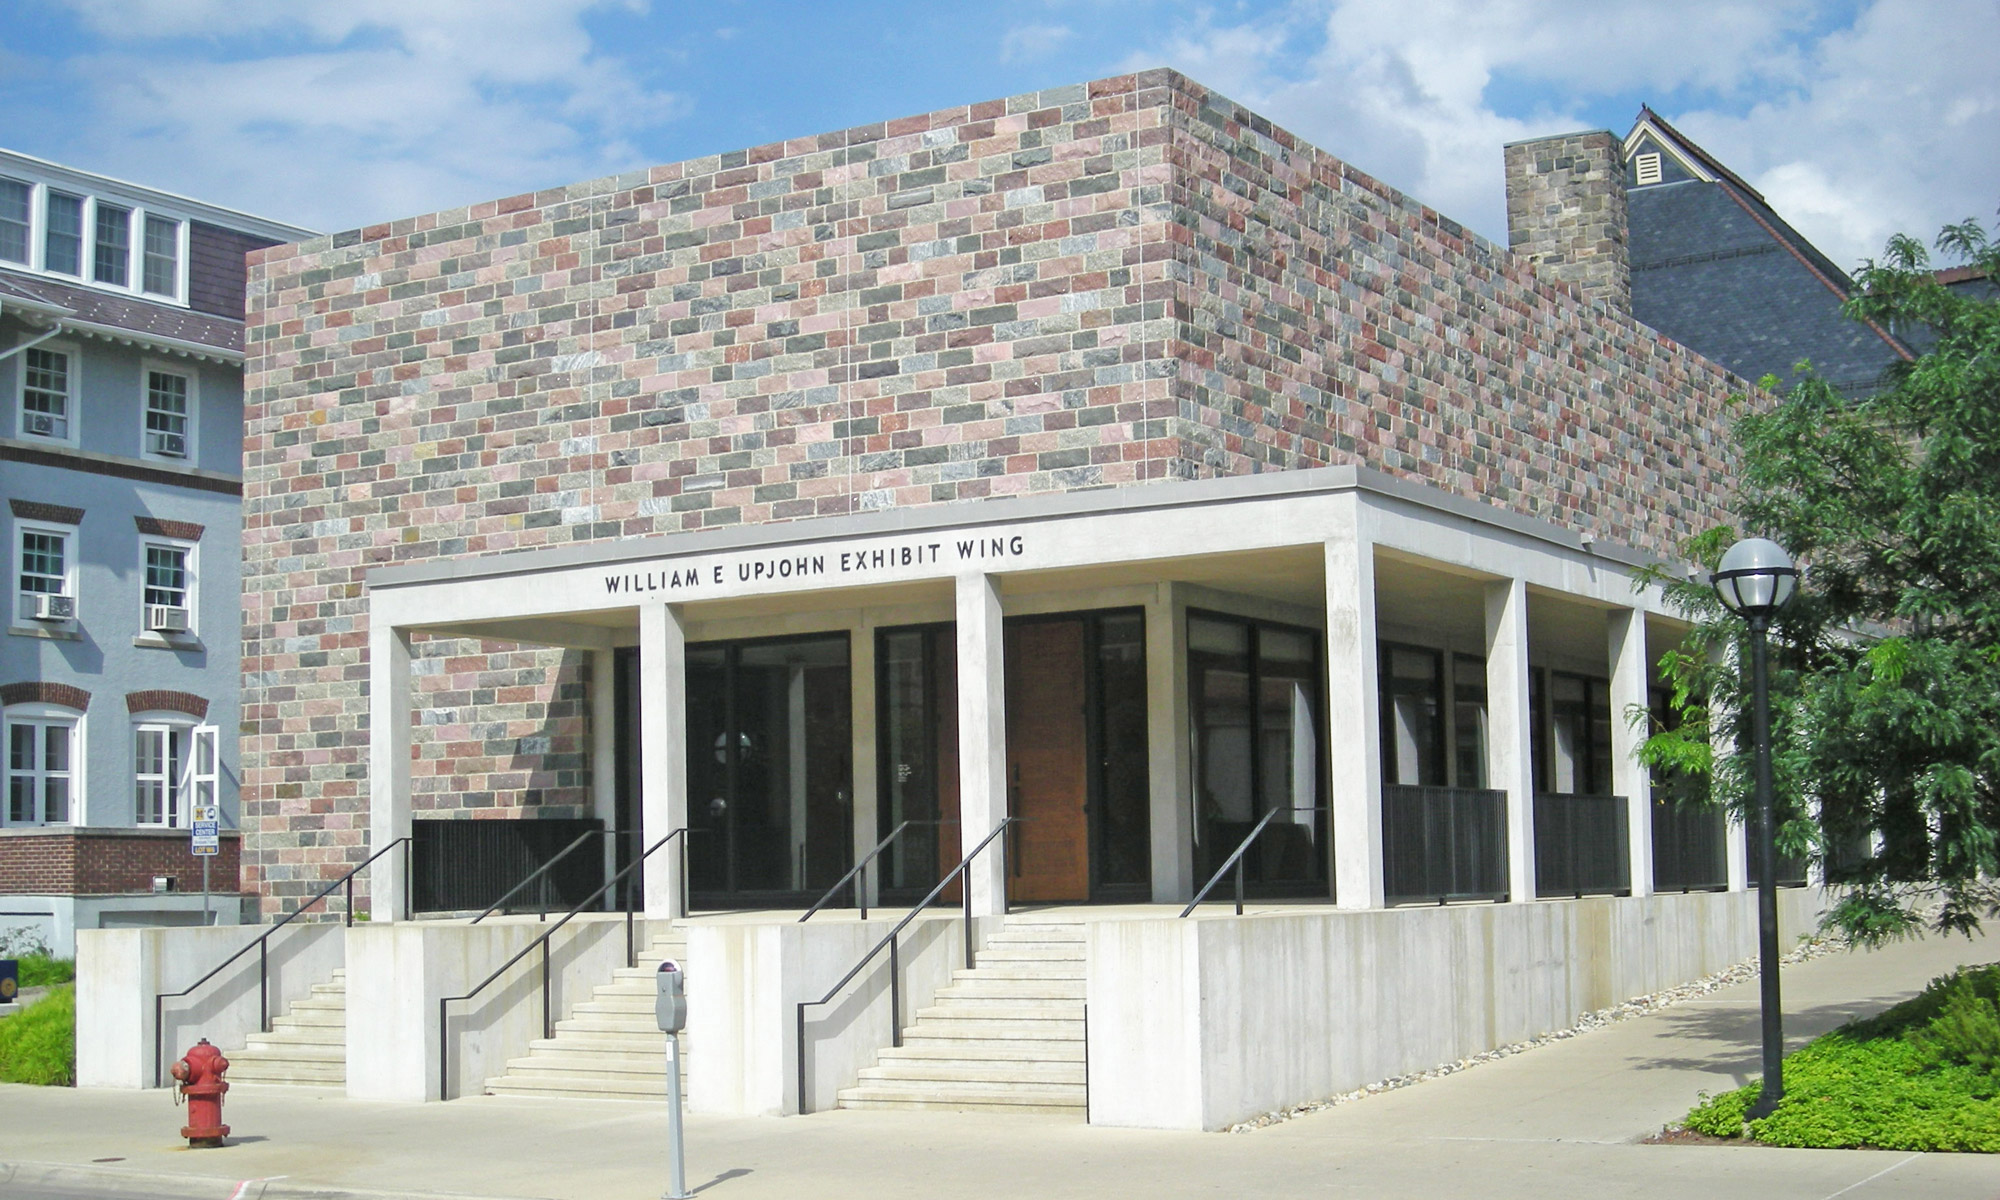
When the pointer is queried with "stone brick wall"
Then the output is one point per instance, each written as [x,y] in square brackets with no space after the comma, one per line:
[96,862]
[1566,213]
[1104,285]
[1328,318]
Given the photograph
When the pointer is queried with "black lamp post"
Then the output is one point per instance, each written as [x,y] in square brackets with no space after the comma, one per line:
[1755,580]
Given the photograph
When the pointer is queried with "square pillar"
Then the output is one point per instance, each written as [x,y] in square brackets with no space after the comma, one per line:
[1354,720]
[662,751]
[604,750]
[861,701]
[388,767]
[1169,785]
[1631,675]
[1510,762]
[982,736]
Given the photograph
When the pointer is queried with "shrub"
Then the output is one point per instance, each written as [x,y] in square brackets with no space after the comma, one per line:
[1967,1028]
[41,969]
[38,1044]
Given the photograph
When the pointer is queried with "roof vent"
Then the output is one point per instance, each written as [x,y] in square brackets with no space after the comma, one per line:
[1648,167]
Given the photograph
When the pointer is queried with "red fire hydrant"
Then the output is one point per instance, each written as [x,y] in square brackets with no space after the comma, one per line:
[202,1085]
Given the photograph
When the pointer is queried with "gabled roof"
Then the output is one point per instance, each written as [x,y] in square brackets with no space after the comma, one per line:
[87,312]
[1717,269]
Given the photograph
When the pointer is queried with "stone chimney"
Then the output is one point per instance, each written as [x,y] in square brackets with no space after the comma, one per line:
[1566,213]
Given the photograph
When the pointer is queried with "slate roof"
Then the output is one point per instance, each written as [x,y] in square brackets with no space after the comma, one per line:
[1716,269]
[143,318]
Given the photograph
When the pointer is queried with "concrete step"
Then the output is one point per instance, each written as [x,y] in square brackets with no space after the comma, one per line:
[982,988]
[264,1047]
[307,1045]
[965,1097]
[651,1042]
[1001,1013]
[921,1045]
[1023,969]
[578,1087]
[598,1066]
[297,1074]
[950,1071]
[316,1035]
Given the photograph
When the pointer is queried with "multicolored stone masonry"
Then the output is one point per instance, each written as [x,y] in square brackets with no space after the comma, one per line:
[1566,213]
[1105,285]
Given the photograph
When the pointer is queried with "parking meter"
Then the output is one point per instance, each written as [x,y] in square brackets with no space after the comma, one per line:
[670,1004]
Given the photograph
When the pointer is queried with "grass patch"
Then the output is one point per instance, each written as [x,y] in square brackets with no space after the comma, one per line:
[40,969]
[38,1044]
[1925,1075]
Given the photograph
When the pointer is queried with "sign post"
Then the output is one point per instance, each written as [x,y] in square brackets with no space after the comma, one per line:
[204,842]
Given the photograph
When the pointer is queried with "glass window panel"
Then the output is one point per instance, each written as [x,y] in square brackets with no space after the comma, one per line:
[55,748]
[42,557]
[166,402]
[55,800]
[45,389]
[62,245]
[166,576]
[163,243]
[1125,840]
[1216,637]
[111,259]
[14,199]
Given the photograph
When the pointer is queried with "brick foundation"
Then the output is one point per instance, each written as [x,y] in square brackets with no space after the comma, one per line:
[64,861]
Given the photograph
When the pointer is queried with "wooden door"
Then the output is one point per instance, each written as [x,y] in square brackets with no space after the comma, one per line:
[1047,775]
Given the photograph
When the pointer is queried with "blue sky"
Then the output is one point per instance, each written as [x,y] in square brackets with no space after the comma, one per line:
[1856,119]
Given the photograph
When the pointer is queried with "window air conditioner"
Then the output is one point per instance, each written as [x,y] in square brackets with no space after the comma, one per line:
[166,618]
[173,445]
[42,424]
[54,608]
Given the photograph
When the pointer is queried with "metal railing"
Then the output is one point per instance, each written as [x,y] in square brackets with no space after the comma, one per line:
[858,873]
[548,1015]
[1235,858]
[1582,846]
[889,941]
[459,866]
[1690,847]
[263,947]
[1441,844]
[541,872]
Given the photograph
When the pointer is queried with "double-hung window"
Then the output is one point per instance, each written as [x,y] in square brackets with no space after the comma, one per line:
[48,393]
[111,256]
[169,404]
[161,272]
[174,769]
[62,239]
[168,591]
[41,753]
[15,220]
[45,578]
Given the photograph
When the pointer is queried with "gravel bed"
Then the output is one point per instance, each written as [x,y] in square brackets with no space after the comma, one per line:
[1637,1006]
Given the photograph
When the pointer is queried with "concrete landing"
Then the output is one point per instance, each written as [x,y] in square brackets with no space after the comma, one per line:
[1565,1119]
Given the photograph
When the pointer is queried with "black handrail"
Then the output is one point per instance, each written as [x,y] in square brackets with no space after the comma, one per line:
[548,1017]
[1236,859]
[859,873]
[537,873]
[262,946]
[895,981]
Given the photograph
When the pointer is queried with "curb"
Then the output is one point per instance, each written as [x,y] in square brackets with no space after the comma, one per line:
[117,1181]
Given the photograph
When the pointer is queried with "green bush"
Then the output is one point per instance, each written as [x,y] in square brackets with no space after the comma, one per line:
[38,1044]
[1917,1077]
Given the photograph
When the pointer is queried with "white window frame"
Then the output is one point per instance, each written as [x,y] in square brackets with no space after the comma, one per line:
[28,229]
[42,717]
[176,777]
[190,570]
[39,193]
[147,369]
[19,567]
[72,397]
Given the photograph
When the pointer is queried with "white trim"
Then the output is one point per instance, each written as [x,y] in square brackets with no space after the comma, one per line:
[177,778]
[191,575]
[17,564]
[159,343]
[142,196]
[1669,145]
[41,715]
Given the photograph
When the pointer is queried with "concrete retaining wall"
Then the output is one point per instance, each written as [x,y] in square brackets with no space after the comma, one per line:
[1201,1023]
[119,971]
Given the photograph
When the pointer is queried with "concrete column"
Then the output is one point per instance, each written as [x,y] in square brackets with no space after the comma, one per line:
[604,749]
[662,751]
[1631,675]
[982,735]
[388,767]
[1170,788]
[866,782]
[1510,763]
[1354,720]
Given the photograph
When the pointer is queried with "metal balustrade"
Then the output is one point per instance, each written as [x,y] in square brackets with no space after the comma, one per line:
[1441,844]
[1582,846]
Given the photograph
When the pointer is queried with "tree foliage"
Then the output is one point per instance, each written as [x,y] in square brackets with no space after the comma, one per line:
[1886,667]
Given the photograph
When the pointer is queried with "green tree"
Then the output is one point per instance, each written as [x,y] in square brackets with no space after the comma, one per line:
[1886,667]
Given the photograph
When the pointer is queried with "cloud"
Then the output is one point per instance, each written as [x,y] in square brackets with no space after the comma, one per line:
[1855,131]
[362,110]
[1024,42]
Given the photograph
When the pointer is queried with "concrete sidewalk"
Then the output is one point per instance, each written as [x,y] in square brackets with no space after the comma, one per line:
[1561,1120]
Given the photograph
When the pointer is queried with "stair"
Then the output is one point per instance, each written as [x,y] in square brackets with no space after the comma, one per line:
[1005,1036]
[610,1046]
[306,1047]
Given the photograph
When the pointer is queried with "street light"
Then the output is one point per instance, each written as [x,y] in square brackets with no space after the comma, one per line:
[1755,580]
